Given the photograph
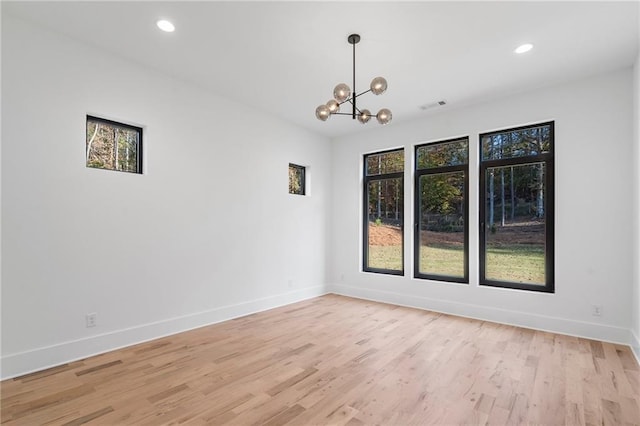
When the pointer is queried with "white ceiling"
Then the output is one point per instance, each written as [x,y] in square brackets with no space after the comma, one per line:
[286,57]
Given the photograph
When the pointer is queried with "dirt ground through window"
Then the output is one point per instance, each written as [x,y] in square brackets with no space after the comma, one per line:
[511,234]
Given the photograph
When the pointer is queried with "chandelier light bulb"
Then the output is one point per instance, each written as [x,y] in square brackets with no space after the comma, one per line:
[378,86]
[384,116]
[323,113]
[365,116]
[341,92]
[333,106]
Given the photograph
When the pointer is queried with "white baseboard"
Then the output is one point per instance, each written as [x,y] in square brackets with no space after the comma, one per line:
[635,345]
[588,330]
[21,363]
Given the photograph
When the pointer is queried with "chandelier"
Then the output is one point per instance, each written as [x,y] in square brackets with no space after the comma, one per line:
[342,94]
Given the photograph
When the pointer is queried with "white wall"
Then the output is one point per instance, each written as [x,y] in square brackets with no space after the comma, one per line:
[208,232]
[635,327]
[594,264]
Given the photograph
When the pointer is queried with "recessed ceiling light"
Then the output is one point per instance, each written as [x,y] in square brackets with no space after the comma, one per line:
[165,26]
[524,48]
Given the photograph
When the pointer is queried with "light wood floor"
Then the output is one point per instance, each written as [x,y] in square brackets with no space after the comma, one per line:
[336,360]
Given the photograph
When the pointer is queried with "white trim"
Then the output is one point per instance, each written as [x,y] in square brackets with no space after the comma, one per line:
[635,345]
[18,364]
[605,333]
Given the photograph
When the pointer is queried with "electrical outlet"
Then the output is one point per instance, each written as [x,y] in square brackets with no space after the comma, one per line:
[91,319]
[596,310]
[290,283]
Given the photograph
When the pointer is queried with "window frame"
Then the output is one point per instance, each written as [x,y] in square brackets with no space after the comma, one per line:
[113,123]
[549,200]
[304,179]
[365,211]
[416,201]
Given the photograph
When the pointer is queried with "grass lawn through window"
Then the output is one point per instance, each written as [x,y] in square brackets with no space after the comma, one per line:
[522,263]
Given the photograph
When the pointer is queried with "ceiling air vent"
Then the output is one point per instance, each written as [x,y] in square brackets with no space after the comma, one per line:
[433,105]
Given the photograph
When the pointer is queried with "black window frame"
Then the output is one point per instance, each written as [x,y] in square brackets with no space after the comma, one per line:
[365,203]
[548,159]
[139,151]
[416,200]
[303,186]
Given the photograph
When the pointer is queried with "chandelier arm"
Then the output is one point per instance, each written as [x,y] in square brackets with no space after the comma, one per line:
[354,109]
[352,97]
[360,94]
[354,105]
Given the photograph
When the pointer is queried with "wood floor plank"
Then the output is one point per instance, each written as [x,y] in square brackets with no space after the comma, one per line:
[89,417]
[44,401]
[340,361]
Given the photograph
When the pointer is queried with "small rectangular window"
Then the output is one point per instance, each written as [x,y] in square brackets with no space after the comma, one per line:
[441,230]
[296,179]
[113,146]
[383,242]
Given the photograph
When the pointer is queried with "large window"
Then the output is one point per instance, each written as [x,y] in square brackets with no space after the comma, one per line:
[383,212]
[113,146]
[516,208]
[441,203]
